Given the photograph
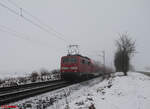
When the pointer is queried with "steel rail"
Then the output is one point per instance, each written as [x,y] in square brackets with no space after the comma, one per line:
[24,86]
[18,95]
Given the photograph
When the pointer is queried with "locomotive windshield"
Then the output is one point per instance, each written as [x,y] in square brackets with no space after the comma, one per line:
[69,60]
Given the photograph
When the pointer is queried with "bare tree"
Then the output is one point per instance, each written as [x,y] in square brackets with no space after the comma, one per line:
[125,49]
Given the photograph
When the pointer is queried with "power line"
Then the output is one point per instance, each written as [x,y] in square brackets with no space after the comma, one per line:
[13,33]
[32,22]
[42,22]
[16,34]
[13,3]
[34,17]
[11,10]
[7,28]
[41,27]
[22,36]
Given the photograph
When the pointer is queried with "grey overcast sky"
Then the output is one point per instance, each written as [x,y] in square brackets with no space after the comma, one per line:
[93,24]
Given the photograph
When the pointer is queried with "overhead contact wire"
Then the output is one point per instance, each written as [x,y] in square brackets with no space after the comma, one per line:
[27,19]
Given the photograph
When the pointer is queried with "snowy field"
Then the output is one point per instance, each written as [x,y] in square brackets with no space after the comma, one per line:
[118,92]
[12,75]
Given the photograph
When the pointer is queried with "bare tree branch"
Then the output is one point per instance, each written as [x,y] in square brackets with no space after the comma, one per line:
[125,48]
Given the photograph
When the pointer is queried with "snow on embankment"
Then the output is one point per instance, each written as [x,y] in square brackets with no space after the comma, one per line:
[119,92]
[11,75]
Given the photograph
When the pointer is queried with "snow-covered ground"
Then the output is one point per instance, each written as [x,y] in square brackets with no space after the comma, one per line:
[118,92]
[14,79]
[12,75]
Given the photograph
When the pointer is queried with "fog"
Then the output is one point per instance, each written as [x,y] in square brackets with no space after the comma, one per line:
[92,24]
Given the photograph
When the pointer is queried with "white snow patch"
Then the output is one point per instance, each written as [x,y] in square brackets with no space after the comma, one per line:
[12,75]
[121,92]
[118,92]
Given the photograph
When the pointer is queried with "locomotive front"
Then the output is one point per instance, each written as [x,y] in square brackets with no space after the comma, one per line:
[70,67]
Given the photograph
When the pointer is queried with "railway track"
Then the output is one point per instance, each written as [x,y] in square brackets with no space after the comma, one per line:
[24,86]
[12,94]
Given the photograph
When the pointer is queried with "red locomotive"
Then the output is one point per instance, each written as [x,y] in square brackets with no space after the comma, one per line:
[77,67]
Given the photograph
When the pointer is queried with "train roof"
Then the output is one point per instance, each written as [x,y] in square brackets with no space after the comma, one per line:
[77,55]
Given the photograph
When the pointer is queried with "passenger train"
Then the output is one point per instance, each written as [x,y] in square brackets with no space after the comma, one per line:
[77,67]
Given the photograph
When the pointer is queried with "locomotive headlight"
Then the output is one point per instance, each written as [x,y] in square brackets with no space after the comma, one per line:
[74,68]
[65,68]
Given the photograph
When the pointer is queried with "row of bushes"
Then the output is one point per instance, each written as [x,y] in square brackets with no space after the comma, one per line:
[43,75]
